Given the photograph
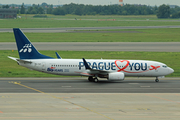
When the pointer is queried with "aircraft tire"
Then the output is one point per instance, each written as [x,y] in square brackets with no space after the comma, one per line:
[156,80]
[96,80]
[91,79]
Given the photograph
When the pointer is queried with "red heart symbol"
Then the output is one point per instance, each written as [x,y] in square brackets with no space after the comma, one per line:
[121,69]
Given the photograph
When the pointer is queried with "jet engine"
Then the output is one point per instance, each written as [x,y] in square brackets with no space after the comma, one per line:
[116,76]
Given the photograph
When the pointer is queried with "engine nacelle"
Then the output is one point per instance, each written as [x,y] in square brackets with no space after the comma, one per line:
[116,76]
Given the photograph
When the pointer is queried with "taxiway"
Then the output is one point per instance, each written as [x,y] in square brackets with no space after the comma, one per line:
[82,85]
[78,99]
[100,46]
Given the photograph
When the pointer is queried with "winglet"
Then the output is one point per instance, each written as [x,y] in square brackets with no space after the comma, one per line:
[58,56]
[86,64]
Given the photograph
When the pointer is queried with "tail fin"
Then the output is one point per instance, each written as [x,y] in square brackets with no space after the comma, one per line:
[25,48]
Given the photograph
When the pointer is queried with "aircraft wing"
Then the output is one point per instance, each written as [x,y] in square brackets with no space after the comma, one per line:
[93,70]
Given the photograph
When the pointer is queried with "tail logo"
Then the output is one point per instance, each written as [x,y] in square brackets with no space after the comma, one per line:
[26,48]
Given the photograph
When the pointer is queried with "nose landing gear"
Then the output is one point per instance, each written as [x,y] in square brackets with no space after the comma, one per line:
[156,80]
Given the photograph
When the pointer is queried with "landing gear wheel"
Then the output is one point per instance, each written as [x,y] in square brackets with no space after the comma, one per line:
[96,80]
[156,80]
[90,79]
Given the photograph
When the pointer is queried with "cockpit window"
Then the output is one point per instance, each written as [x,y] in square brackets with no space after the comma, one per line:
[164,66]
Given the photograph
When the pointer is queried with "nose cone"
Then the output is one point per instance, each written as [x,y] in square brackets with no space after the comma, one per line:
[171,70]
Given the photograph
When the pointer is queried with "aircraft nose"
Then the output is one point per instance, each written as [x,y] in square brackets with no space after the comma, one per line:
[171,70]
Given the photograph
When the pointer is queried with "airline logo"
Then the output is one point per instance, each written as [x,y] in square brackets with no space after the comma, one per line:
[26,48]
[54,69]
[122,65]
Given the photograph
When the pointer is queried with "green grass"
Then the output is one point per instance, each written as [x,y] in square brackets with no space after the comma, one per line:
[9,68]
[95,17]
[144,35]
[86,21]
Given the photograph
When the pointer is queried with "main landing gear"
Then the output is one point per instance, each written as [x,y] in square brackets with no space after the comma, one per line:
[91,79]
[156,80]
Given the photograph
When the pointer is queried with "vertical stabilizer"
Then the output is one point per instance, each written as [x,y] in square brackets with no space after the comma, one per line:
[25,48]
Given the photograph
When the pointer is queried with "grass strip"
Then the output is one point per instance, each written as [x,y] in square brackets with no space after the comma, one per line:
[133,35]
[27,22]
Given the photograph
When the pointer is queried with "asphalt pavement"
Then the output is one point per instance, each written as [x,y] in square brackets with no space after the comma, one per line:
[82,85]
[100,46]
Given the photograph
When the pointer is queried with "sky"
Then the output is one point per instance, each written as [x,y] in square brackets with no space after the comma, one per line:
[94,2]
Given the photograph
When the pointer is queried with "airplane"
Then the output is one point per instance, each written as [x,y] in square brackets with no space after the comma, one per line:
[112,70]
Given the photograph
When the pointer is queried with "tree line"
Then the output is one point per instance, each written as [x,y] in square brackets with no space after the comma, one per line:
[163,11]
[81,9]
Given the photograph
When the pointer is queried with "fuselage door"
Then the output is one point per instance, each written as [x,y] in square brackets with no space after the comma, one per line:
[43,66]
[157,68]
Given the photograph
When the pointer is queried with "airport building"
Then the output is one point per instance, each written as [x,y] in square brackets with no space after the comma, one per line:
[8,13]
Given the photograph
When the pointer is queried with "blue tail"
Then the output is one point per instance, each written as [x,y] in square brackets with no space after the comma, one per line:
[25,48]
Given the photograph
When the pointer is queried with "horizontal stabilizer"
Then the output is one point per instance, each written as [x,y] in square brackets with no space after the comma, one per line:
[19,60]
[13,58]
